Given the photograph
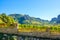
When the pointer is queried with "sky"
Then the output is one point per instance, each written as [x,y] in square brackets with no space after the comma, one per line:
[44,9]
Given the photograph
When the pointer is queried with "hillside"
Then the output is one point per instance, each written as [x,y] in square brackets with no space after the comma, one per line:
[26,19]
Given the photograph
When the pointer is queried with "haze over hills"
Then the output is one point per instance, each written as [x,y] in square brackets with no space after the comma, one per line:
[26,19]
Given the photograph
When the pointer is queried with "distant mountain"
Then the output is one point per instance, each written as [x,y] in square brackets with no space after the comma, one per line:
[55,20]
[26,19]
[58,19]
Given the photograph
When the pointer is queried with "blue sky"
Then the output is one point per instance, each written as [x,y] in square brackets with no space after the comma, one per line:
[44,9]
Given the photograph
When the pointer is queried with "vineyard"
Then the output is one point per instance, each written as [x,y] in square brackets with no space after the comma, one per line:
[54,30]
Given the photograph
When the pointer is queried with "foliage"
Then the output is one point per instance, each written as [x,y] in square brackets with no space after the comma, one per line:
[6,20]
